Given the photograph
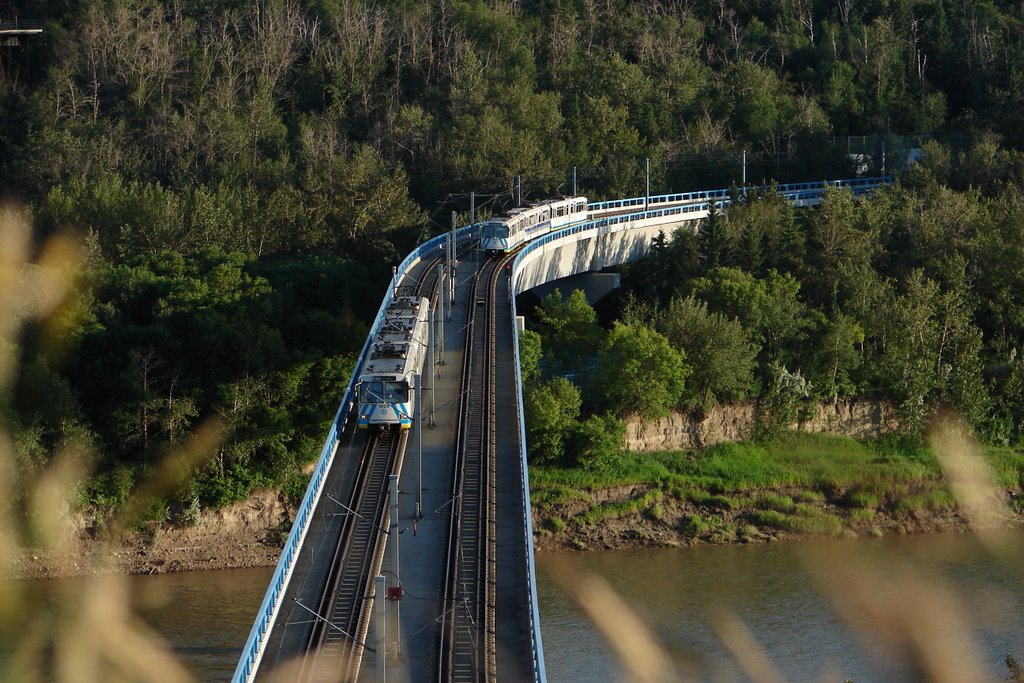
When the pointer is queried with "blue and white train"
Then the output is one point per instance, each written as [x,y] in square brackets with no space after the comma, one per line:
[385,387]
[502,234]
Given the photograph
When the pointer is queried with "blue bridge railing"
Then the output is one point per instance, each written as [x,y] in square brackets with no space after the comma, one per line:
[256,644]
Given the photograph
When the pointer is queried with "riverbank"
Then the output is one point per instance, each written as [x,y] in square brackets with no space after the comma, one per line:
[641,517]
[247,534]
[795,487]
[799,486]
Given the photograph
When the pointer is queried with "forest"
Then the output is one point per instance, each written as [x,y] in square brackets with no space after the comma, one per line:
[240,175]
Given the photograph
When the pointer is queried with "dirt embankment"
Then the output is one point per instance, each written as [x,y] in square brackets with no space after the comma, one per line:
[669,522]
[246,534]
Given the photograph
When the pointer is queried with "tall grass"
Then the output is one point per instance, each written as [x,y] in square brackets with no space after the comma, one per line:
[99,638]
[811,464]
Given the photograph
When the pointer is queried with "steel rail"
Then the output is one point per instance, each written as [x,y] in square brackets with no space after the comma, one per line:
[467,645]
[335,649]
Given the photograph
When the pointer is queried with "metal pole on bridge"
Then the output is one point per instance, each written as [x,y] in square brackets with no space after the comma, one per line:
[380,623]
[472,221]
[573,181]
[647,182]
[430,368]
[454,267]
[440,316]
[418,421]
[519,190]
[393,541]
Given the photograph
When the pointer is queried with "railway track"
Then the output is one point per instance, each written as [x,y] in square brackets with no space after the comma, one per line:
[336,647]
[467,644]
[338,639]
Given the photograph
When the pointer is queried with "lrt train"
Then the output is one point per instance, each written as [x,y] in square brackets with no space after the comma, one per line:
[503,234]
[385,387]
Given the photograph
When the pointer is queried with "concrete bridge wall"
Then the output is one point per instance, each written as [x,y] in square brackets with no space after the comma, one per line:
[579,250]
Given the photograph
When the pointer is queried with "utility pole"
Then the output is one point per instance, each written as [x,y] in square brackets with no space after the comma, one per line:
[883,157]
[393,541]
[454,268]
[744,167]
[519,191]
[440,317]
[433,370]
[380,622]
[647,183]
[573,181]
[418,422]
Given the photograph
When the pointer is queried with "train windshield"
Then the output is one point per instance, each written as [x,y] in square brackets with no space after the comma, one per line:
[383,392]
[495,230]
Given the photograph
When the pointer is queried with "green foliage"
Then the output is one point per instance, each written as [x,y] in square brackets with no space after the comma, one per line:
[639,372]
[774,501]
[530,353]
[717,348]
[551,409]
[694,525]
[934,499]
[597,514]
[596,443]
[783,403]
[240,205]
[862,499]
[569,331]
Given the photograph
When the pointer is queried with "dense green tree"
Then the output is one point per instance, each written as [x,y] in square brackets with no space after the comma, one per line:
[770,309]
[639,372]
[717,348]
[552,409]
[839,355]
[712,239]
[243,177]
[569,329]
[597,443]
[530,353]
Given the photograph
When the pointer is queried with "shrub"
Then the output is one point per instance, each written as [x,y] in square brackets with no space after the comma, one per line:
[808,520]
[936,499]
[694,525]
[862,499]
[720,501]
[723,534]
[774,501]
[772,519]
[809,496]
[655,513]
[862,515]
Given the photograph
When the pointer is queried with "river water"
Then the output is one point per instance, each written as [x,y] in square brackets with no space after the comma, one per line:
[783,594]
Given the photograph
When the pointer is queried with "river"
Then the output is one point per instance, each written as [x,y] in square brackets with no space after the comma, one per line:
[781,592]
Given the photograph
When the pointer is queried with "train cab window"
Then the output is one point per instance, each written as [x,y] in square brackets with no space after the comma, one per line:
[495,230]
[383,392]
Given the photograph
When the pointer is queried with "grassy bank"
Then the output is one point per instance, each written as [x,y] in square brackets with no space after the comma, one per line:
[795,485]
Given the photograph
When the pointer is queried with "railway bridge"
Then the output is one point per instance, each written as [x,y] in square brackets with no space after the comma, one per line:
[411,555]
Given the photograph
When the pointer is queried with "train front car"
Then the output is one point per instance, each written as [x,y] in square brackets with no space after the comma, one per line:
[503,234]
[386,386]
[494,236]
